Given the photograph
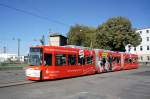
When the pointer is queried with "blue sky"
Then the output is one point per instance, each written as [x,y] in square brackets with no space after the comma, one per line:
[15,24]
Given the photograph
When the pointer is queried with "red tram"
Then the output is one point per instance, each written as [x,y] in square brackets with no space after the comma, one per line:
[53,62]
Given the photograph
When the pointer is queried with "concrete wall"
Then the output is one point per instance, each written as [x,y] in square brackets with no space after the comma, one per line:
[54,41]
[57,40]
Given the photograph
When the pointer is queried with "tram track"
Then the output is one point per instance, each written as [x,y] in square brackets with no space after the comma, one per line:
[16,83]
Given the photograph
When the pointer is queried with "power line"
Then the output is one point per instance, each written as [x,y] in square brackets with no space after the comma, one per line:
[34,14]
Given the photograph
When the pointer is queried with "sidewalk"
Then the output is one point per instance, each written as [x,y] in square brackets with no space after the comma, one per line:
[12,77]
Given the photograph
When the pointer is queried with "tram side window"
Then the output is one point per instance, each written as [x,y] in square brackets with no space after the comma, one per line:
[126,60]
[130,60]
[47,59]
[60,59]
[103,61]
[81,60]
[72,59]
[134,60]
[89,59]
[116,59]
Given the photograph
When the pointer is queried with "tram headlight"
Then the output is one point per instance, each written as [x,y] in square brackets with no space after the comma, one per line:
[33,73]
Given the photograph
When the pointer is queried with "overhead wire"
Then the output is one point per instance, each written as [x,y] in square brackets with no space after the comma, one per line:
[35,15]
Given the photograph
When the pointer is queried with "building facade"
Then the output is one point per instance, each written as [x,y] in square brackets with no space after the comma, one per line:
[143,50]
[5,57]
[57,40]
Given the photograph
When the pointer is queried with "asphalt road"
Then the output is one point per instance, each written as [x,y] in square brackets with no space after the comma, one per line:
[131,84]
[12,76]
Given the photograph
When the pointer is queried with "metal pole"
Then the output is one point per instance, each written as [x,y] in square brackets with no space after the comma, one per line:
[4,49]
[18,46]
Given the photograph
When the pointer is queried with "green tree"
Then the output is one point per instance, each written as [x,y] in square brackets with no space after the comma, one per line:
[115,34]
[81,35]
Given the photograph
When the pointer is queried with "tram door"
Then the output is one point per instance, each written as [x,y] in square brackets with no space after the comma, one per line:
[47,68]
[122,61]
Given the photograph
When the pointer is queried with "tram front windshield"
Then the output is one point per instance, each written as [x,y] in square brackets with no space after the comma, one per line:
[35,57]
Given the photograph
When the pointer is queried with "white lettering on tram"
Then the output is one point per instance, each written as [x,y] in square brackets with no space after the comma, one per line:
[52,72]
[75,70]
[88,70]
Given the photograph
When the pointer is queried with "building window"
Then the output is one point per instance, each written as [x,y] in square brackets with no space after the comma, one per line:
[147,38]
[140,32]
[129,48]
[147,31]
[141,48]
[134,48]
[148,58]
[147,47]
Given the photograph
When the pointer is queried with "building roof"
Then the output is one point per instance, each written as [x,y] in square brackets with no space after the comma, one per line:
[57,35]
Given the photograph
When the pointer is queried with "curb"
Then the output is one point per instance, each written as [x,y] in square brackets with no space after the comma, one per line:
[16,83]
